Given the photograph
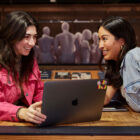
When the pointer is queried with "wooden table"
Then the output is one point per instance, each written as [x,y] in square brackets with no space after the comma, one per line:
[122,119]
[114,119]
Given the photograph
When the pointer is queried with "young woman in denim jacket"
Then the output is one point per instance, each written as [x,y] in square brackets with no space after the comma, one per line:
[122,56]
[21,88]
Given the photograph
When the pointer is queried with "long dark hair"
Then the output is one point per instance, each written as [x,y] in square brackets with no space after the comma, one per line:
[120,28]
[13,29]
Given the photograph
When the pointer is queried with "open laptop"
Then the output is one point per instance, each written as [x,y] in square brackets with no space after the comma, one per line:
[70,101]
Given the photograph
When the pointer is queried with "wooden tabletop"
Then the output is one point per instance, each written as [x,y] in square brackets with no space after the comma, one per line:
[129,118]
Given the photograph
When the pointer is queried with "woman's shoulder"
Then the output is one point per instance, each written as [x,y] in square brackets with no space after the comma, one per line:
[134,54]
[3,71]
[4,75]
[132,57]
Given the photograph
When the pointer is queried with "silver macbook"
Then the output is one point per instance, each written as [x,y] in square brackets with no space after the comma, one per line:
[70,101]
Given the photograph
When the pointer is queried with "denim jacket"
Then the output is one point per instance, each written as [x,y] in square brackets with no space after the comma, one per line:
[10,93]
[130,72]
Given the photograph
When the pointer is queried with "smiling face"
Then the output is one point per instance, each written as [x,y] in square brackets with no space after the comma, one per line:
[24,46]
[109,45]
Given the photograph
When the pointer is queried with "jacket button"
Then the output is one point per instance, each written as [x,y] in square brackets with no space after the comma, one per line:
[134,88]
[26,94]
[12,118]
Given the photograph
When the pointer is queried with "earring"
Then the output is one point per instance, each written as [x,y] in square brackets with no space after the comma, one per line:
[122,50]
[122,47]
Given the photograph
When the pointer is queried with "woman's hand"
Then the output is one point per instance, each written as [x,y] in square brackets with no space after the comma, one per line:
[32,113]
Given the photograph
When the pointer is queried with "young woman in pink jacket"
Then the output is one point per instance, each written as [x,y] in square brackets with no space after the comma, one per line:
[21,88]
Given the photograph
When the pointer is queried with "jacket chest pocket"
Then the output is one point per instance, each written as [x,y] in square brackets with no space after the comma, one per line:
[12,93]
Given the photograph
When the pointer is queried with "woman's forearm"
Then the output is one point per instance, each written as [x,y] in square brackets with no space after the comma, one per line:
[109,94]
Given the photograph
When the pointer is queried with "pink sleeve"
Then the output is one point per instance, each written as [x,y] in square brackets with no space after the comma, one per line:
[7,110]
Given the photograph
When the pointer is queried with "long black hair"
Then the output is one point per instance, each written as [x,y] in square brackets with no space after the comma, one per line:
[13,29]
[120,28]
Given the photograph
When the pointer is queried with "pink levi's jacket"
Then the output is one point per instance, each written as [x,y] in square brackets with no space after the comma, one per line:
[10,93]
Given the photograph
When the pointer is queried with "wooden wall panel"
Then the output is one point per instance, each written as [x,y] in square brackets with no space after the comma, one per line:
[94,13]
